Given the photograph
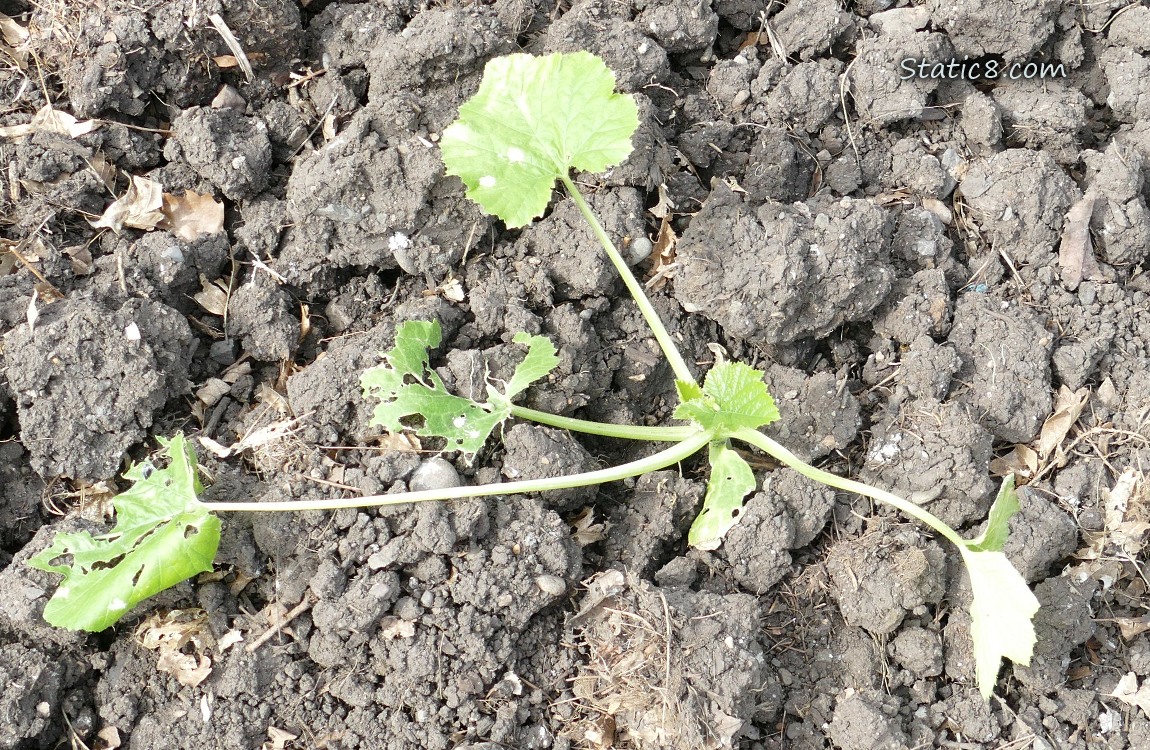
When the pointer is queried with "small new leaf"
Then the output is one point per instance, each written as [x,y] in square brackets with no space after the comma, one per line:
[540,360]
[162,536]
[410,391]
[730,482]
[532,120]
[1003,606]
[1005,505]
[733,397]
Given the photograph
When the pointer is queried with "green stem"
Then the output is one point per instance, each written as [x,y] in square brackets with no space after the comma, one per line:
[764,443]
[660,460]
[625,431]
[670,351]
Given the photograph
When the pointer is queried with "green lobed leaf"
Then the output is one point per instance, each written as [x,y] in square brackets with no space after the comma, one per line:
[1003,607]
[407,389]
[730,482]
[163,535]
[532,120]
[733,397]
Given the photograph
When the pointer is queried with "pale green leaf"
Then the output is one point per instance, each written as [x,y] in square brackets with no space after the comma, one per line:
[540,360]
[532,120]
[733,397]
[163,535]
[1001,615]
[730,482]
[412,395]
[1002,611]
[998,520]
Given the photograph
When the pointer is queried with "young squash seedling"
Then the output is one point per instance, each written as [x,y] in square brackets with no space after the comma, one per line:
[533,120]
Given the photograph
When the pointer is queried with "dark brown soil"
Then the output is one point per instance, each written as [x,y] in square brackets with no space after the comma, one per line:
[886,249]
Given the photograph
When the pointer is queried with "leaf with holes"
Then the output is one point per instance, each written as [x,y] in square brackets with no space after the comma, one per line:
[409,389]
[730,482]
[533,120]
[163,535]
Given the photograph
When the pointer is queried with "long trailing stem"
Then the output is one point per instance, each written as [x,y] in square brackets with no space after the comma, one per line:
[625,431]
[660,460]
[670,351]
[784,456]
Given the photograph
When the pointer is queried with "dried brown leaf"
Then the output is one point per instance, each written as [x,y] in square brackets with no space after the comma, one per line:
[226,61]
[229,639]
[392,627]
[278,739]
[168,634]
[1076,251]
[81,257]
[15,40]
[665,206]
[191,215]
[238,370]
[138,208]
[53,121]
[186,668]
[1130,692]
[104,169]
[14,34]
[601,734]
[663,252]
[1123,528]
[401,442]
[1132,627]
[1022,462]
[304,321]
[584,529]
[214,297]
[452,290]
[1068,407]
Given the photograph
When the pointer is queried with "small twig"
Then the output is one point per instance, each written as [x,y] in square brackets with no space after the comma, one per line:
[318,125]
[16,250]
[666,653]
[267,635]
[161,131]
[330,483]
[846,115]
[233,44]
[311,75]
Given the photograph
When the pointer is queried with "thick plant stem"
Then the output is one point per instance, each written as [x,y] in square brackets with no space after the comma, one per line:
[625,431]
[764,443]
[660,460]
[670,351]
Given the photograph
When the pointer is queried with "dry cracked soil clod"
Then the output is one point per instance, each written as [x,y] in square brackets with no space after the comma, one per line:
[886,249]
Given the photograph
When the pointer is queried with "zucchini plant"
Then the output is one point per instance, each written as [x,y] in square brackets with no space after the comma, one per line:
[532,121]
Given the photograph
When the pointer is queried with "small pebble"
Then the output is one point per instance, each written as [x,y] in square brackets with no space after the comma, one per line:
[639,250]
[553,585]
[434,474]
